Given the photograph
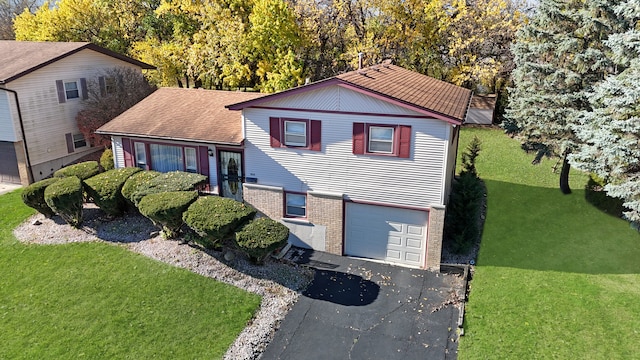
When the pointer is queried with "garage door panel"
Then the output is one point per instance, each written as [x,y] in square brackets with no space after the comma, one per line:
[386,233]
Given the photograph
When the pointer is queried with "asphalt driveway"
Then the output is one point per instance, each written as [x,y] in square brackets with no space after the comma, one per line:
[356,309]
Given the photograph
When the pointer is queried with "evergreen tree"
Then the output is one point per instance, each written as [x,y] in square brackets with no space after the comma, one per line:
[611,131]
[559,57]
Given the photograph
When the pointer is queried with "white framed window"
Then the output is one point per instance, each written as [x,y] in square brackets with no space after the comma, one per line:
[381,139]
[141,155]
[295,133]
[71,90]
[190,160]
[79,141]
[296,205]
[110,85]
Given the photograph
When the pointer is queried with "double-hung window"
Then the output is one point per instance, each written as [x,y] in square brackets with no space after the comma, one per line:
[295,133]
[71,90]
[79,141]
[296,205]
[381,139]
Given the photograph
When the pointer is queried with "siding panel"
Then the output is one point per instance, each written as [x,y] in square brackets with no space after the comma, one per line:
[7,129]
[416,181]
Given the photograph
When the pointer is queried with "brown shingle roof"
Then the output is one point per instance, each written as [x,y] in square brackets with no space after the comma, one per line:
[412,88]
[408,88]
[183,114]
[483,102]
[18,58]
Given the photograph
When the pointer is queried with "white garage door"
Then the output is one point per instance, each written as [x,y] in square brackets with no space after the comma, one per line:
[386,233]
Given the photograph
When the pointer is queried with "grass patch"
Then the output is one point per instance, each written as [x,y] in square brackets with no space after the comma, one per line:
[556,276]
[99,301]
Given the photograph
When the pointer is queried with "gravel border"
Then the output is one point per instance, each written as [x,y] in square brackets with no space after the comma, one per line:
[279,283]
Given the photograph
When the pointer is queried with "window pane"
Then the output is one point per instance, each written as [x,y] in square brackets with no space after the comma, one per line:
[71,90]
[295,140]
[191,160]
[141,156]
[379,146]
[295,211]
[165,158]
[381,133]
[295,127]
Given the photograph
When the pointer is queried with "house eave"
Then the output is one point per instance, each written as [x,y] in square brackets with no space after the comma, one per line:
[170,138]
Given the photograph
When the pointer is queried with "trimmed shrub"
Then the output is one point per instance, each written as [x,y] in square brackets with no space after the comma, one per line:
[261,237]
[64,197]
[171,181]
[462,228]
[139,179]
[105,189]
[33,196]
[106,160]
[83,170]
[214,218]
[166,209]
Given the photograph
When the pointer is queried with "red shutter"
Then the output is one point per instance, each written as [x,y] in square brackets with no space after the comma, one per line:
[316,135]
[275,131]
[128,154]
[203,154]
[84,90]
[60,88]
[358,138]
[70,147]
[404,150]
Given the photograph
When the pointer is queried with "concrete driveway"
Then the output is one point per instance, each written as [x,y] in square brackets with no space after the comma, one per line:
[356,309]
[7,187]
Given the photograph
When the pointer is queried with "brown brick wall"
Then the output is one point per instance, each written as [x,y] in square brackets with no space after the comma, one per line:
[267,199]
[434,239]
[327,209]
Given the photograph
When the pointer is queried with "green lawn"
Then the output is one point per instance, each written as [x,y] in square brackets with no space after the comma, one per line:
[99,301]
[556,277]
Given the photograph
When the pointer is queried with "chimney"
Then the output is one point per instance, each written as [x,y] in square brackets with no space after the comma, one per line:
[360,60]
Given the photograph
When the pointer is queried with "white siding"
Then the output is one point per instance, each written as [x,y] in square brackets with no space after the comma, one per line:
[417,181]
[7,128]
[336,98]
[479,116]
[45,120]
[118,152]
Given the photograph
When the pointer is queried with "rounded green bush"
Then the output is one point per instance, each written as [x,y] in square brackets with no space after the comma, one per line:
[83,170]
[64,197]
[261,237]
[214,218]
[166,209]
[33,196]
[106,160]
[171,181]
[139,179]
[105,189]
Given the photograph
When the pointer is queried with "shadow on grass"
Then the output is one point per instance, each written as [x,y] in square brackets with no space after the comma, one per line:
[542,229]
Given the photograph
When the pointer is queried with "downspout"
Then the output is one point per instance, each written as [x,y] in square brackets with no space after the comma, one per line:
[24,137]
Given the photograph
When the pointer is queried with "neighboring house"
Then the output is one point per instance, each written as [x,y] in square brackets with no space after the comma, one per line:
[187,130]
[42,88]
[481,110]
[360,164]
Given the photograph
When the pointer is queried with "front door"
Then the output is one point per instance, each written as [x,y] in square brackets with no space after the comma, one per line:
[230,165]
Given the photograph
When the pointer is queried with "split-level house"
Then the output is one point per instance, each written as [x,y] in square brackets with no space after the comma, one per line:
[360,164]
[43,85]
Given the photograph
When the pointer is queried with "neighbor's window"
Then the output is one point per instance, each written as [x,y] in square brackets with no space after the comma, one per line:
[71,90]
[381,139]
[190,159]
[141,155]
[295,133]
[79,141]
[296,205]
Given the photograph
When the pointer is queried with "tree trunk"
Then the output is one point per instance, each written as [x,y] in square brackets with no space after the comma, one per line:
[564,174]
